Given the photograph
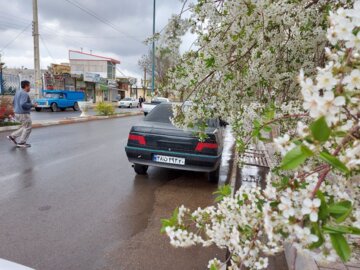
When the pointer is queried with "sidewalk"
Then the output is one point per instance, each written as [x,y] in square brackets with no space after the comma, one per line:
[253,172]
[71,120]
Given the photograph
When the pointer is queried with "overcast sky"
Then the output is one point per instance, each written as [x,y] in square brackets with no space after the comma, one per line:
[63,26]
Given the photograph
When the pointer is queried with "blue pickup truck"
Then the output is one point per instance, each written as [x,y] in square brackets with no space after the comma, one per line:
[59,99]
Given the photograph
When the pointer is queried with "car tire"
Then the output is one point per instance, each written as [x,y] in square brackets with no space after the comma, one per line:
[76,107]
[130,105]
[38,109]
[145,113]
[140,169]
[54,107]
[213,177]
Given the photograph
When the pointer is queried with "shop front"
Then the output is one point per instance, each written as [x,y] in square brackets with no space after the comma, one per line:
[102,90]
[90,81]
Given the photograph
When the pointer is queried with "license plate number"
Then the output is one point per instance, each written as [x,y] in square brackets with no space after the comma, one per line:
[169,160]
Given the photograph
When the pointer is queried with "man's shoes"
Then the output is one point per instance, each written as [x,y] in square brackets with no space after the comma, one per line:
[23,145]
[10,138]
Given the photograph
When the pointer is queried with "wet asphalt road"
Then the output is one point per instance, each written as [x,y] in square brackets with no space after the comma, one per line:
[47,114]
[72,201]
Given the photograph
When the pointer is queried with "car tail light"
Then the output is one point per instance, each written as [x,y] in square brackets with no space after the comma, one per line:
[205,145]
[137,138]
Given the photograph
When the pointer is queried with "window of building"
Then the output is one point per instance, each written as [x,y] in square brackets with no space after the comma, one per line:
[111,71]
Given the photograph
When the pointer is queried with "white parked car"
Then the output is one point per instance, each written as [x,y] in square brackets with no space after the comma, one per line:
[128,102]
[148,106]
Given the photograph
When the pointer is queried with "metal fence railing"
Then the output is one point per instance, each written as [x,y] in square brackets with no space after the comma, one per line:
[10,84]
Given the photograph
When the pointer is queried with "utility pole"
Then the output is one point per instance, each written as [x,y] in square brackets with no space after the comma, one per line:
[1,77]
[35,28]
[153,52]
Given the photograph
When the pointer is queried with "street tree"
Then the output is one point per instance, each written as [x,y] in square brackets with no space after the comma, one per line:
[165,59]
[289,64]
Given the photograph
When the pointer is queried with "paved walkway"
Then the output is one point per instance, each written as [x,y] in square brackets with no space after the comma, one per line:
[253,172]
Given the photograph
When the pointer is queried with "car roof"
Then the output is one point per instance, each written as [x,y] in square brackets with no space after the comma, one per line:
[61,91]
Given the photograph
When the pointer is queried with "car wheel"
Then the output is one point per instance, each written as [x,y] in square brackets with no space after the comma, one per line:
[76,106]
[38,109]
[140,169]
[130,105]
[54,107]
[213,177]
[145,113]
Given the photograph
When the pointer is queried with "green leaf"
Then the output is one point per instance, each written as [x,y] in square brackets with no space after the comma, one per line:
[317,231]
[213,267]
[210,62]
[341,229]
[256,123]
[320,130]
[323,209]
[222,192]
[255,132]
[333,161]
[267,129]
[171,222]
[295,157]
[341,246]
[340,210]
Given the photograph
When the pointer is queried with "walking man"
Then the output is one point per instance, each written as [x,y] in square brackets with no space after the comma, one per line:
[22,106]
[141,100]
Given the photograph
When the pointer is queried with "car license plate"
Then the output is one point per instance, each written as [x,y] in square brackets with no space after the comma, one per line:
[169,160]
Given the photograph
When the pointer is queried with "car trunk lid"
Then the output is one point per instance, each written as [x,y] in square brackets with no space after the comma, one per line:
[166,137]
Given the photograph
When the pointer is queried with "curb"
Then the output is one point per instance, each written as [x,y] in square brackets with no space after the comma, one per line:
[228,157]
[40,124]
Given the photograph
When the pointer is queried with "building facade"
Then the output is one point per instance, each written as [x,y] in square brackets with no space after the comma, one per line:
[98,74]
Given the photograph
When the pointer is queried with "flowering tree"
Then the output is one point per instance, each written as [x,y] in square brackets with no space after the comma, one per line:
[6,110]
[249,55]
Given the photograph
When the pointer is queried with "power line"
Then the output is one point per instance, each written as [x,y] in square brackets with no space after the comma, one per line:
[121,72]
[13,40]
[11,17]
[46,47]
[93,14]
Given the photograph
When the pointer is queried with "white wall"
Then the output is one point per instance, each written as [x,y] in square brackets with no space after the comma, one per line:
[81,66]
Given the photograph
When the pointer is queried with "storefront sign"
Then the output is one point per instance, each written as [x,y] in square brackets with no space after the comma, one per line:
[112,83]
[91,77]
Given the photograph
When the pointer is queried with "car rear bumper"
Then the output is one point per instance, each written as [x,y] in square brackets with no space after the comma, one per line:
[193,162]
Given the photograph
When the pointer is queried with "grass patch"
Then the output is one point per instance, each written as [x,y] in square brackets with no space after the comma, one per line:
[9,124]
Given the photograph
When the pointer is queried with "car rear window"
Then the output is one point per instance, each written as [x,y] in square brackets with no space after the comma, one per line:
[161,113]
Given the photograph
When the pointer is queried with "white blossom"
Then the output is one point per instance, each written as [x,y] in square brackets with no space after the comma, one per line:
[311,207]
[352,81]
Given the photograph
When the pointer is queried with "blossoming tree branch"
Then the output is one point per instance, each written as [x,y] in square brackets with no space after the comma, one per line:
[293,65]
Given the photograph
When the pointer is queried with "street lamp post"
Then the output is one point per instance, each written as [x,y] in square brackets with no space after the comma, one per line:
[153,52]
